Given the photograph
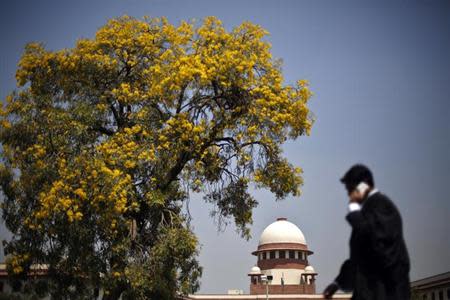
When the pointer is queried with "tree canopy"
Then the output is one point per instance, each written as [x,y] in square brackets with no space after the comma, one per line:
[102,143]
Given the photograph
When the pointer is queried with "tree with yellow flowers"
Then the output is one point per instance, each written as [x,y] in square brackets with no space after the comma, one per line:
[102,143]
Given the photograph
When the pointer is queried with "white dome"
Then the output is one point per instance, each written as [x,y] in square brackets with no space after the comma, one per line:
[255,270]
[282,231]
[309,269]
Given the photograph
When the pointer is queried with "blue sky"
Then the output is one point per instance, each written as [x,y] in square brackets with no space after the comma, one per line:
[380,73]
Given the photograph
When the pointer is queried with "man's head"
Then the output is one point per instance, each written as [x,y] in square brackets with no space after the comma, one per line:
[353,177]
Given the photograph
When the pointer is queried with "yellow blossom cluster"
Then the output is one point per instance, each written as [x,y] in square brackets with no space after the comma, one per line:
[128,148]
[126,94]
[181,134]
[86,187]
[15,262]
[109,131]
[62,196]
[169,59]
[280,177]
[37,154]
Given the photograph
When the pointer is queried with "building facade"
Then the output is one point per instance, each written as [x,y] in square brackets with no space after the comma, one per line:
[282,269]
[282,254]
[435,287]
[14,289]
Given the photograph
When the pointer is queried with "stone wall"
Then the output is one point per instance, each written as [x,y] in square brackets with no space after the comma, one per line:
[260,289]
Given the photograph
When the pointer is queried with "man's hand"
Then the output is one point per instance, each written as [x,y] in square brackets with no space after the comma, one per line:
[330,290]
[355,196]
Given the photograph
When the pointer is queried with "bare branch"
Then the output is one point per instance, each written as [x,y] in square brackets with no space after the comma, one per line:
[103,130]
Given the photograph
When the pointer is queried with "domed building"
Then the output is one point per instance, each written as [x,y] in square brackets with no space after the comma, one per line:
[282,257]
[282,270]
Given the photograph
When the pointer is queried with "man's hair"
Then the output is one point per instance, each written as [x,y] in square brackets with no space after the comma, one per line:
[356,174]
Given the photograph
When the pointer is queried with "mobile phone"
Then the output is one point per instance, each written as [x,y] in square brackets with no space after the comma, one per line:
[362,187]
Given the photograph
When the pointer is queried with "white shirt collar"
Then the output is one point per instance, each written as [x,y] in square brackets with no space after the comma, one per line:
[373,191]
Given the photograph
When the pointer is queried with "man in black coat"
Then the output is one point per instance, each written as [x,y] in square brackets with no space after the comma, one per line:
[378,267]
